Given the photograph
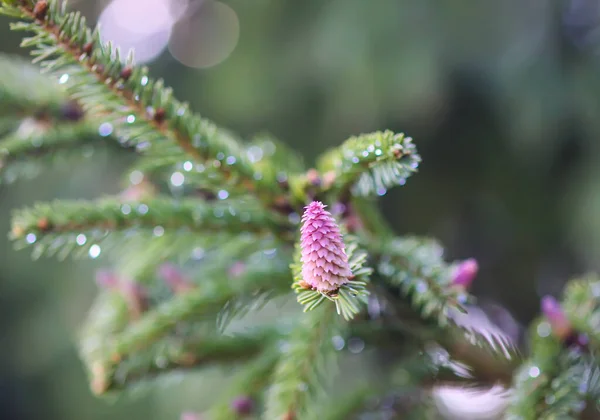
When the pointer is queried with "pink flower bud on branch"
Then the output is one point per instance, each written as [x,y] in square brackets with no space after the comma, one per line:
[465,273]
[324,261]
[561,327]
[174,278]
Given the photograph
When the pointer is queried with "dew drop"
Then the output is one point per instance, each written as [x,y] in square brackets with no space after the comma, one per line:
[378,152]
[230,160]
[131,118]
[254,153]
[381,191]
[222,194]
[94,251]
[126,209]
[534,371]
[421,287]
[258,176]
[177,179]
[136,177]
[338,342]
[544,329]
[105,129]
[158,231]
[401,181]
[81,239]
[355,159]
[200,168]
[31,238]
[220,156]
[365,153]
[144,80]
[356,345]
[198,253]
[63,79]
[142,209]
[188,166]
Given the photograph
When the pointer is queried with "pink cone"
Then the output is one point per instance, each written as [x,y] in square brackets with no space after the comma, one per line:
[465,273]
[324,260]
[561,327]
[174,278]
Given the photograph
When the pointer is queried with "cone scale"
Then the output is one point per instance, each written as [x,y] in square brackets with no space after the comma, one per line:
[324,261]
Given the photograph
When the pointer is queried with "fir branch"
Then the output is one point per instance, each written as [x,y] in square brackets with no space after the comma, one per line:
[202,302]
[369,163]
[28,150]
[249,383]
[415,266]
[123,94]
[98,218]
[533,378]
[24,92]
[304,370]
[107,317]
[582,307]
[173,354]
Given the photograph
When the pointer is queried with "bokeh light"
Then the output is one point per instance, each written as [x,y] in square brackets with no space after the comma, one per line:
[142,26]
[206,36]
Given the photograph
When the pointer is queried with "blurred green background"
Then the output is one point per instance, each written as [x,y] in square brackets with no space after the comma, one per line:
[502,99]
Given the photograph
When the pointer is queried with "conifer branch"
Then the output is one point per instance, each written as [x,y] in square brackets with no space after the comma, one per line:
[369,163]
[123,94]
[206,300]
[179,353]
[30,148]
[26,93]
[582,307]
[305,369]
[416,267]
[98,218]
[248,384]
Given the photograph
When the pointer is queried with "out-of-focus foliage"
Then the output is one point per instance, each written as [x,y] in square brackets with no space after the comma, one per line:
[503,98]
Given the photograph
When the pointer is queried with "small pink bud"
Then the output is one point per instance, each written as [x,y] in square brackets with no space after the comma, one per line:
[561,327]
[242,405]
[107,279]
[134,293]
[237,269]
[465,273]
[324,260]
[174,278]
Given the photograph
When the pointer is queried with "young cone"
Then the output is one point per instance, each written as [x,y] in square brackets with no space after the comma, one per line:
[324,261]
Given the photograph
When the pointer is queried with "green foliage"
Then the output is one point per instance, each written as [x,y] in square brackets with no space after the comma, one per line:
[36,97]
[582,307]
[416,267]
[305,367]
[35,145]
[371,163]
[142,110]
[58,226]
[248,383]
[235,253]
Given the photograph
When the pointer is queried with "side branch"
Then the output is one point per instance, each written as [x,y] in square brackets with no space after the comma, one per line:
[144,109]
